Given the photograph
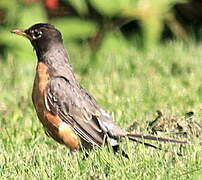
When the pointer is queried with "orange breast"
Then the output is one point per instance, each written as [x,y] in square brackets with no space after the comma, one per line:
[52,123]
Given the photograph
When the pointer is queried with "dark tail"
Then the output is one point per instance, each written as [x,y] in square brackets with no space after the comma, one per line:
[150,145]
[133,137]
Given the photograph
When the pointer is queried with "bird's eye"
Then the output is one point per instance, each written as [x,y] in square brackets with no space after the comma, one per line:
[36,34]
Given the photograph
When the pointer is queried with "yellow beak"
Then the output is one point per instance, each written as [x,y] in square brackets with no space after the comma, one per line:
[21,33]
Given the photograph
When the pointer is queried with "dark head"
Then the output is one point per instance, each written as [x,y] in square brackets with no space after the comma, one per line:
[43,37]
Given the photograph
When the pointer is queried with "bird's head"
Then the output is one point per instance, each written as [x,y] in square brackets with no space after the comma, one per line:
[43,36]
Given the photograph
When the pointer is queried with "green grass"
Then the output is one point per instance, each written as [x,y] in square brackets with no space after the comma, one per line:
[129,84]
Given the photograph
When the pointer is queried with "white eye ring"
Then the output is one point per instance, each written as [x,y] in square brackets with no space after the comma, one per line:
[36,34]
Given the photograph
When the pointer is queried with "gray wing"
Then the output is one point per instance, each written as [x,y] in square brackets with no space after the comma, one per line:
[68,102]
[105,120]
[75,106]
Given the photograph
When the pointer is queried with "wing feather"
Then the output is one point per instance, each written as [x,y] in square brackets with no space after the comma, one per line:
[69,102]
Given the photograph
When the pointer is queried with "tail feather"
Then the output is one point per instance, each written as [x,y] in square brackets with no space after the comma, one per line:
[133,137]
[154,138]
[151,145]
[144,143]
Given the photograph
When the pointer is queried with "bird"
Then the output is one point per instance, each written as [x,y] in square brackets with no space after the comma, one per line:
[67,111]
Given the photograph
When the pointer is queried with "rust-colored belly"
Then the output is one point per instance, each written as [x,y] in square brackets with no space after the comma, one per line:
[52,123]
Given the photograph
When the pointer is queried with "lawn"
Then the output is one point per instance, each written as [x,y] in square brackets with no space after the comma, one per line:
[131,85]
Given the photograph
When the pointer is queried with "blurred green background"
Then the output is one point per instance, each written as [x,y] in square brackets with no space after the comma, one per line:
[139,23]
[135,57]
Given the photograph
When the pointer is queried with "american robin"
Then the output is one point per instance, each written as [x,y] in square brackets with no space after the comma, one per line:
[68,112]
